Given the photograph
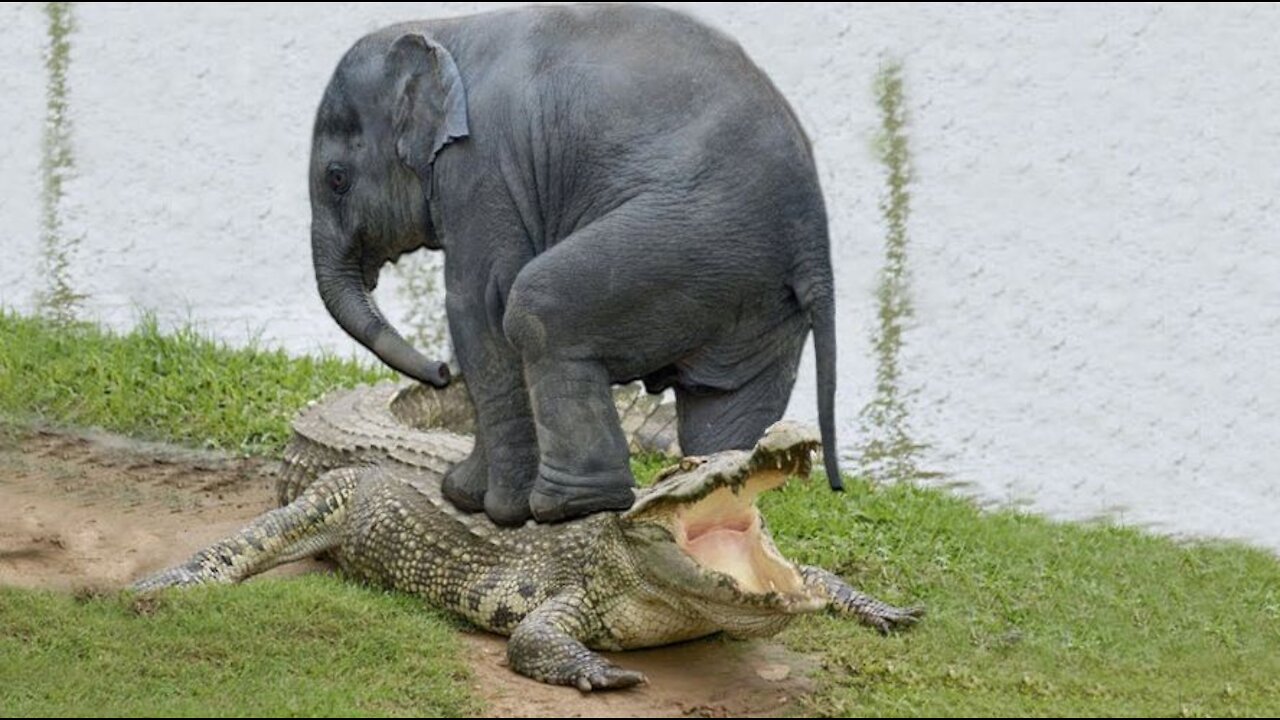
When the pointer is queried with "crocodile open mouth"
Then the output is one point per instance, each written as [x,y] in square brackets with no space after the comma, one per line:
[708,504]
[724,532]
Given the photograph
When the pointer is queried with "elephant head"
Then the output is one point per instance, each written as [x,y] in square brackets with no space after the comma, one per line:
[392,105]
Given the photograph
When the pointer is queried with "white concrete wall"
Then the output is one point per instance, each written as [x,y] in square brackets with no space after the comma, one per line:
[1094,254]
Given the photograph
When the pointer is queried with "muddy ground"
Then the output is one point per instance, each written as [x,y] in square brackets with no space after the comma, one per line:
[97,510]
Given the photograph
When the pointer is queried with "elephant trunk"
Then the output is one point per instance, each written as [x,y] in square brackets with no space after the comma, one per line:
[349,300]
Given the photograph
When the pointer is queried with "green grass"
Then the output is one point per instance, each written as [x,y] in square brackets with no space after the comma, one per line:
[311,646]
[646,465]
[181,387]
[1026,616]
[1030,617]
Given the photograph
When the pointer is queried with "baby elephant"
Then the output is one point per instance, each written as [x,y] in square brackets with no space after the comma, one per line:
[620,194]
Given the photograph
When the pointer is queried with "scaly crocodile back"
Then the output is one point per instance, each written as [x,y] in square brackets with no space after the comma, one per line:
[361,482]
[429,430]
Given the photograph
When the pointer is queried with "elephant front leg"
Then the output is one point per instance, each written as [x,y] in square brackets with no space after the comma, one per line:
[499,474]
[466,483]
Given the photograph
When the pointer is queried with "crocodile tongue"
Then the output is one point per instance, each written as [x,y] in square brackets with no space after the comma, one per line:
[709,506]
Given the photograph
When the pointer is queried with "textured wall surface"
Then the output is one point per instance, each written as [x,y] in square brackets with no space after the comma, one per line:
[1093,251]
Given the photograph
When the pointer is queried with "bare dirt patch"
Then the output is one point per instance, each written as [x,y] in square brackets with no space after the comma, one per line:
[714,677]
[95,511]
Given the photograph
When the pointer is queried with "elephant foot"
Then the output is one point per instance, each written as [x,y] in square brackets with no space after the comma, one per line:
[465,484]
[558,496]
[507,507]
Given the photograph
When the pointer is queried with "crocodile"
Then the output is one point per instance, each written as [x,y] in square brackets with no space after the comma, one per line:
[691,557]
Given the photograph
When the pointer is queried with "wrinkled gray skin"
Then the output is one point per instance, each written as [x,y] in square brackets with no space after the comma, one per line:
[620,194]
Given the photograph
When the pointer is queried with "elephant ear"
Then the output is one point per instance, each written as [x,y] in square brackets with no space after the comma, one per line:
[431,104]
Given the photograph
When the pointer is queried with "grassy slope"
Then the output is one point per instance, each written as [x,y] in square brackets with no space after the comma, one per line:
[1031,617]
[180,387]
[310,646]
[1026,616]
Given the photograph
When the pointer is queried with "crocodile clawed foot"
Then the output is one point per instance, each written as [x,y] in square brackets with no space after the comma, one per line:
[887,618]
[545,647]
[607,676]
[842,598]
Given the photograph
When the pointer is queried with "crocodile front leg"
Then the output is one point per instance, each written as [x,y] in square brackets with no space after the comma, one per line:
[307,526]
[545,647]
[843,599]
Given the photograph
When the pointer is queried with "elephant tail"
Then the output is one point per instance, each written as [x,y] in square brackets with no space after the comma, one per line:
[819,300]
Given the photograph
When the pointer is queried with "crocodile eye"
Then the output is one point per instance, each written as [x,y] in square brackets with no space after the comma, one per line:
[338,179]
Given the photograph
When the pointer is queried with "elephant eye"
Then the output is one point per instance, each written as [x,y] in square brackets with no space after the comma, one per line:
[338,179]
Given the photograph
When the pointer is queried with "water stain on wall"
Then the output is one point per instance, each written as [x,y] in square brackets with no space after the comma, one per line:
[421,287]
[890,453]
[58,300]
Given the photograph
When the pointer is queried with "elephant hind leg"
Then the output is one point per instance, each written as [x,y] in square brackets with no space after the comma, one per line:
[716,420]
[713,419]
[466,483]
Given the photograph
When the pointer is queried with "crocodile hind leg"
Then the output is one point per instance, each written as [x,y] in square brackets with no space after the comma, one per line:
[307,526]
[843,599]
[545,647]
